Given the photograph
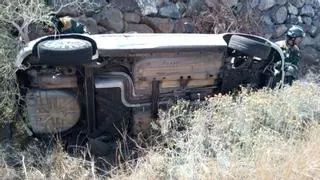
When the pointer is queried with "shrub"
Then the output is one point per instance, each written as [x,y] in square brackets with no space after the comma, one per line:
[256,135]
[222,18]
[9,91]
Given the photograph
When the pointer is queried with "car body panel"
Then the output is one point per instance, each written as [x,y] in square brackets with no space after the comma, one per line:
[134,74]
[129,44]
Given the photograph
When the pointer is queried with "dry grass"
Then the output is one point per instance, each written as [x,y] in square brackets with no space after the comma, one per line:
[8,89]
[260,135]
[222,18]
[255,135]
[35,162]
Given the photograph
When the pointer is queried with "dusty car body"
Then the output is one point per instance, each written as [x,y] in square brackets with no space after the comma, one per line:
[102,84]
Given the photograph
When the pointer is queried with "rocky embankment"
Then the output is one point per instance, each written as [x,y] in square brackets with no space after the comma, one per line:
[278,15]
[177,16]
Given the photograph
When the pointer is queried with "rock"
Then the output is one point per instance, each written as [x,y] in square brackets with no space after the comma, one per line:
[131,17]
[292,9]
[179,26]
[170,10]
[267,4]
[71,10]
[159,25]
[292,19]
[305,26]
[309,56]
[310,2]
[90,23]
[148,7]
[282,2]
[298,3]
[254,3]
[307,10]
[87,7]
[316,4]
[189,27]
[182,26]
[101,30]
[125,5]
[307,20]
[308,41]
[280,15]
[267,36]
[231,3]
[111,18]
[313,31]
[194,7]
[300,19]
[309,60]
[269,31]
[91,7]
[160,3]
[210,3]
[267,20]
[139,28]
[316,20]
[316,42]
[279,31]
[182,7]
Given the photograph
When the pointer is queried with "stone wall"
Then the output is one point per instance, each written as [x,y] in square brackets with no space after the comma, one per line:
[179,16]
[279,15]
[142,16]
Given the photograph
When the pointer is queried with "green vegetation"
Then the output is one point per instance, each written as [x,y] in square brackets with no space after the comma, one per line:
[257,135]
[15,16]
[8,88]
[268,134]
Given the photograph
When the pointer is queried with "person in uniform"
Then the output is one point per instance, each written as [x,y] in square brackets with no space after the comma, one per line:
[64,25]
[291,50]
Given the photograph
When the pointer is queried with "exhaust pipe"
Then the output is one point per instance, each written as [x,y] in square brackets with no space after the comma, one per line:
[124,82]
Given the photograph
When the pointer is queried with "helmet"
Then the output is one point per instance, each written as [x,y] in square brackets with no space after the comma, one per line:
[296,31]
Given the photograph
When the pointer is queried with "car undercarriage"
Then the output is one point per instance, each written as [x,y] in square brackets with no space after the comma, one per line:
[100,86]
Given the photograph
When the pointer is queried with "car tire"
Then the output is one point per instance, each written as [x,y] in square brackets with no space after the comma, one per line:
[67,51]
[249,46]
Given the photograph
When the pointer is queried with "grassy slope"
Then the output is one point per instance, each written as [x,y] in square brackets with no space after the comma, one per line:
[261,135]
[264,135]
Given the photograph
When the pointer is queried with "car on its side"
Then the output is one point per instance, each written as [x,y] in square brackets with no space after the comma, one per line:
[100,84]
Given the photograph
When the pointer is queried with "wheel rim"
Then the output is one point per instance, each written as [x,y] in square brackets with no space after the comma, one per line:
[65,44]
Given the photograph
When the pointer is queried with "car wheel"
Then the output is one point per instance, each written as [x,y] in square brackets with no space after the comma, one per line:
[66,51]
[249,46]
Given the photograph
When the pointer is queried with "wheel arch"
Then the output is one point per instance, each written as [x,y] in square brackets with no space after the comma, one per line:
[64,36]
[275,49]
[30,50]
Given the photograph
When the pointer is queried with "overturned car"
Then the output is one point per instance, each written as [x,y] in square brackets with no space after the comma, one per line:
[99,85]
